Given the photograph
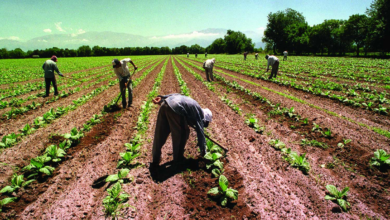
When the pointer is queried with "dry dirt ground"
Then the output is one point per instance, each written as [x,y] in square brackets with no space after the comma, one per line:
[269,188]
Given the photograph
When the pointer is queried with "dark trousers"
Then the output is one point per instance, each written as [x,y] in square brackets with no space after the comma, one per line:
[284,58]
[123,91]
[209,74]
[168,122]
[48,81]
[274,70]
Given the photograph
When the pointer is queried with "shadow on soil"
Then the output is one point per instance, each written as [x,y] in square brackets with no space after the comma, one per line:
[169,169]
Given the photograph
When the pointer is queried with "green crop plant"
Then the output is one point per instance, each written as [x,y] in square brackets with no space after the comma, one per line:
[327,133]
[9,140]
[120,177]
[305,121]
[296,160]
[5,201]
[38,122]
[64,145]
[126,159]
[37,166]
[49,116]
[94,120]
[253,123]
[133,147]
[213,160]
[381,158]
[213,148]
[55,153]
[17,182]
[115,200]
[74,135]
[277,144]
[338,196]
[222,192]
[313,143]
[316,127]
[27,130]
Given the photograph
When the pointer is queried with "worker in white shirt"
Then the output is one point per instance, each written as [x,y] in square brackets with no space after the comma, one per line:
[208,67]
[256,55]
[285,53]
[274,62]
[122,72]
[188,55]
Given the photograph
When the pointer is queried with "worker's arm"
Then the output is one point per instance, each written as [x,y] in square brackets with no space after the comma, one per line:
[268,62]
[201,138]
[128,60]
[58,71]
[43,66]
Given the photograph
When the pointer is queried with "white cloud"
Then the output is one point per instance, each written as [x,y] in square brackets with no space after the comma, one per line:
[84,40]
[260,29]
[47,30]
[58,26]
[79,31]
[10,38]
[194,34]
[42,40]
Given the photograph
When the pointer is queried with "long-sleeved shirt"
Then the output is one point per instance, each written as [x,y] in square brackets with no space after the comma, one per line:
[285,53]
[191,110]
[50,66]
[123,71]
[271,61]
[209,63]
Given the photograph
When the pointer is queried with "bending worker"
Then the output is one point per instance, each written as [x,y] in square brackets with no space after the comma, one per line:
[285,53]
[50,66]
[208,67]
[176,113]
[122,72]
[274,62]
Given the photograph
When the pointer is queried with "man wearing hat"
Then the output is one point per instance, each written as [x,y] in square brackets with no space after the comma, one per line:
[49,67]
[176,113]
[274,62]
[208,67]
[122,72]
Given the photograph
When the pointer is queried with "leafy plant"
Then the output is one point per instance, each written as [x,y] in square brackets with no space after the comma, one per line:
[65,144]
[213,148]
[114,201]
[5,201]
[37,165]
[337,196]
[119,177]
[224,193]
[277,144]
[253,123]
[74,135]
[298,161]
[327,133]
[17,182]
[381,158]
[126,159]
[8,140]
[213,160]
[27,129]
[305,121]
[316,127]
[55,153]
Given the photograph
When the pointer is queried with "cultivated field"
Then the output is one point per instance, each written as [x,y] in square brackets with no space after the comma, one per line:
[317,124]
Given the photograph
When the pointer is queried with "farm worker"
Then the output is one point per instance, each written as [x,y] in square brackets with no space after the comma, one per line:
[205,55]
[208,67]
[256,55]
[176,113]
[122,72]
[274,62]
[285,53]
[50,66]
[196,55]
[188,55]
[245,53]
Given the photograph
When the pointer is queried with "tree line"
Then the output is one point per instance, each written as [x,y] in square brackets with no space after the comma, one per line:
[369,32]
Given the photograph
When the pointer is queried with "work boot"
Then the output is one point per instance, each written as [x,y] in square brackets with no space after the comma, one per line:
[45,96]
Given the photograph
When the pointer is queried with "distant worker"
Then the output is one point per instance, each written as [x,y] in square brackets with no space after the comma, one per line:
[256,55]
[50,67]
[245,53]
[285,53]
[188,55]
[208,67]
[176,113]
[205,55]
[196,55]
[122,72]
[274,62]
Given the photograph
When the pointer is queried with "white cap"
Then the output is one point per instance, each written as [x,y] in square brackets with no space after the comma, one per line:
[207,114]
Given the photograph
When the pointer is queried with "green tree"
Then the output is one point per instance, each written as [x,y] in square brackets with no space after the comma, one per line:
[379,12]
[237,42]
[356,30]
[84,51]
[218,46]
[282,29]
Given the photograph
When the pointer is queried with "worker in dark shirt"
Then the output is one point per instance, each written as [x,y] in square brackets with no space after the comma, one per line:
[50,67]
[245,54]
[176,113]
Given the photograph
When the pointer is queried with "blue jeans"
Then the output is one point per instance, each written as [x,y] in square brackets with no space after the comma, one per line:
[123,91]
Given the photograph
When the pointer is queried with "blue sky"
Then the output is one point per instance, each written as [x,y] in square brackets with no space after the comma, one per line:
[26,19]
